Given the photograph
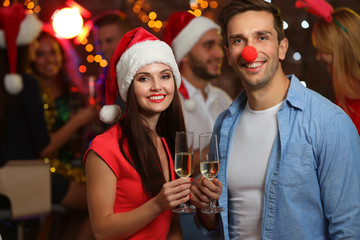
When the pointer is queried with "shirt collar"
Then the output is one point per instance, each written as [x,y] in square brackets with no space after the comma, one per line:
[295,96]
[193,90]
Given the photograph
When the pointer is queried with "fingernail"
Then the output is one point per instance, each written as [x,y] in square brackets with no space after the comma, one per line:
[191,179]
[189,195]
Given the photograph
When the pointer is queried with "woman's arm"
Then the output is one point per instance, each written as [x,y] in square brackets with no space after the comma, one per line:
[175,232]
[60,137]
[101,191]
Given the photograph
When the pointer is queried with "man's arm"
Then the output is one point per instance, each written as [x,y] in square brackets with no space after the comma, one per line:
[339,177]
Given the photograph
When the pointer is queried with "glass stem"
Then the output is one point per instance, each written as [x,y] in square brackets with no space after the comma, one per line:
[212,205]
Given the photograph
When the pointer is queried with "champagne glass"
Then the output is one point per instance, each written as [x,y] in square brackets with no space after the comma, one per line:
[184,161]
[209,164]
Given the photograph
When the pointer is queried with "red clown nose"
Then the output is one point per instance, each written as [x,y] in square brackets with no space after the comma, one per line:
[249,53]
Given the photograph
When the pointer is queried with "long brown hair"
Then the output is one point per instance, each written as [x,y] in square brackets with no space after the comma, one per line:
[343,42]
[239,6]
[143,154]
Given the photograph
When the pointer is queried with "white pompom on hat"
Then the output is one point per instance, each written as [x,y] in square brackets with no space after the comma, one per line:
[17,28]
[136,49]
[182,32]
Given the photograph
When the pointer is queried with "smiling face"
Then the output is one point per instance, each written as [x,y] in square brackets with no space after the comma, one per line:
[154,88]
[206,56]
[255,28]
[48,58]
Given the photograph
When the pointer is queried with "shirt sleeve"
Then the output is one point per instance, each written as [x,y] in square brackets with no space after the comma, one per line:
[339,177]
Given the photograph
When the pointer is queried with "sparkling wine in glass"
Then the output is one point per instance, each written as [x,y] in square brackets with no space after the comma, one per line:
[209,164]
[184,161]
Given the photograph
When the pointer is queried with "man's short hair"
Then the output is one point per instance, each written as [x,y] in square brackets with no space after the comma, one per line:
[239,6]
[112,17]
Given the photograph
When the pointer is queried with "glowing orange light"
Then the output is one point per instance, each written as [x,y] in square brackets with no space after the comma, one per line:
[84,41]
[90,58]
[98,58]
[144,18]
[103,63]
[213,4]
[82,68]
[84,32]
[89,47]
[37,9]
[152,15]
[151,24]
[31,5]
[136,9]
[193,5]
[158,24]
[204,4]
[197,12]
[67,22]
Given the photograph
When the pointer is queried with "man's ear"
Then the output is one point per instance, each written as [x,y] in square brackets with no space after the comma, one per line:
[227,53]
[283,47]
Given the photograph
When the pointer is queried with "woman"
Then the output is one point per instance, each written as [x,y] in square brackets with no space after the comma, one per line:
[67,117]
[338,48]
[131,180]
[23,133]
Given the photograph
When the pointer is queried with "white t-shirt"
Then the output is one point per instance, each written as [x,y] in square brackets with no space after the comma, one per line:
[202,118]
[248,161]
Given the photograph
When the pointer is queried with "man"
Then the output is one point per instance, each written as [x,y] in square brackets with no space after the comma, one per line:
[289,158]
[110,26]
[196,43]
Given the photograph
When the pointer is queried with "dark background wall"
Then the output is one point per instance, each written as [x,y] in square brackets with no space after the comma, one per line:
[307,68]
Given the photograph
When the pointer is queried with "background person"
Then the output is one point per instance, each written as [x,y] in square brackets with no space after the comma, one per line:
[338,48]
[134,158]
[286,170]
[109,27]
[23,133]
[67,115]
[23,129]
[196,43]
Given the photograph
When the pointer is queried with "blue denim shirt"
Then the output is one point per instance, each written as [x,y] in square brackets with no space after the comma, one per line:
[312,185]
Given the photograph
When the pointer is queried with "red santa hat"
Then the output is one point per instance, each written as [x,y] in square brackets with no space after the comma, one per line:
[136,49]
[182,32]
[17,28]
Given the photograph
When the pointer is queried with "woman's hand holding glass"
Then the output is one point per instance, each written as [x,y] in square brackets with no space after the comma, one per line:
[184,161]
[209,164]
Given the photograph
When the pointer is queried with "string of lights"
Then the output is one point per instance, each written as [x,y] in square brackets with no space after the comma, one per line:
[141,8]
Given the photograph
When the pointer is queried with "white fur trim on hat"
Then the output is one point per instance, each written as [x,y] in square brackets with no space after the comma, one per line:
[13,83]
[110,113]
[30,28]
[140,55]
[190,35]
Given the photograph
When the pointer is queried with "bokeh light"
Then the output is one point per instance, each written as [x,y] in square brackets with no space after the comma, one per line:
[67,22]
